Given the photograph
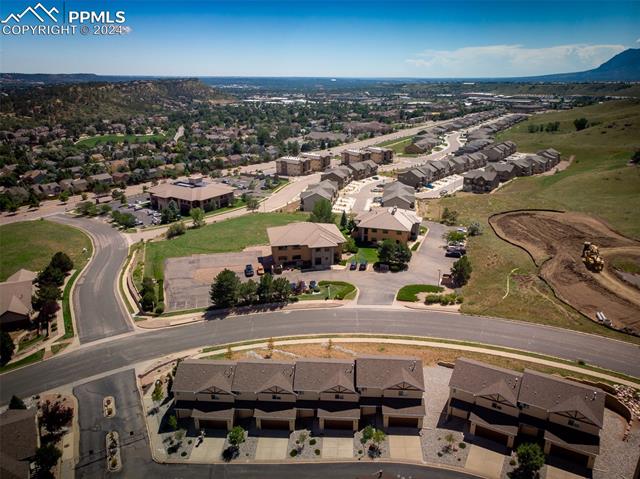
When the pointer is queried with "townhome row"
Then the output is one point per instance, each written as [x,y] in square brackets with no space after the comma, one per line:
[304,164]
[438,169]
[376,154]
[339,394]
[342,175]
[399,195]
[489,178]
[325,190]
[505,405]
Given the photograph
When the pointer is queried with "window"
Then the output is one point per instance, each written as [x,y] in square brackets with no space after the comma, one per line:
[496,406]
[296,256]
[339,396]
[402,393]
[282,258]
[374,230]
[214,396]
[327,250]
[398,233]
[275,397]
[282,248]
[297,246]
[573,423]
[385,231]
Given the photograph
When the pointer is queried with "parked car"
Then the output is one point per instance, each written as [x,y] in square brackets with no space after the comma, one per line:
[353,265]
[248,270]
[312,284]
[260,270]
[363,265]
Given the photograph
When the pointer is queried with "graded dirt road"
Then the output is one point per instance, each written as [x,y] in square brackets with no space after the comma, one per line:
[554,241]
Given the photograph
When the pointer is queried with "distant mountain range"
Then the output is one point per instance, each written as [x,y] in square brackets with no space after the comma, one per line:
[624,67]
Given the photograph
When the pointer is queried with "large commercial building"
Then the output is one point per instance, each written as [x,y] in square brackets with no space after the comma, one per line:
[336,393]
[194,193]
[394,223]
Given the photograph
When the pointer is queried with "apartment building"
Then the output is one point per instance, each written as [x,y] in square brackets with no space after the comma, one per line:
[336,393]
[399,195]
[355,156]
[380,155]
[398,225]
[293,166]
[325,190]
[318,161]
[505,405]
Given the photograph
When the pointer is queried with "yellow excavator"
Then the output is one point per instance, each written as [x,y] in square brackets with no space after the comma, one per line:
[591,257]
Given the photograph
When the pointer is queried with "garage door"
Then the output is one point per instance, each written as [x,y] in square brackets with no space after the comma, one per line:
[213,424]
[403,422]
[274,424]
[493,435]
[574,457]
[337,424]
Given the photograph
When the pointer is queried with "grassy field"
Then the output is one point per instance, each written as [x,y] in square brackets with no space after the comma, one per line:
[599,182]
[31,244]
[410,292]
[102,139]
[331,290]
[230,235]
[397,145]
[367,253]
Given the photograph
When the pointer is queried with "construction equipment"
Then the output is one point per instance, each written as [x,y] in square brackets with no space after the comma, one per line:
[591,257]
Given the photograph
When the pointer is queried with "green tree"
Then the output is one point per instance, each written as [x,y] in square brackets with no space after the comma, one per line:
[16,403]
[247,292]
[61,261]
[252,203]
[170,213]
[100,188]
[580,123]
[344,221]
[54,416]
[236,436]
[530,461]
[158,392]
[224,289]
[173,422]
[396,255]
[46,457]
[281,289]
[265,288]
[322,212]
[50,276]
[449,217]
[33,201]
[176,229]
[197,215]
[6,348]
[64,196]
[474,229]
[461,271]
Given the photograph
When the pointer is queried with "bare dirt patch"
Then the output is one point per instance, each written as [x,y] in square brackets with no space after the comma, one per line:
[554,240]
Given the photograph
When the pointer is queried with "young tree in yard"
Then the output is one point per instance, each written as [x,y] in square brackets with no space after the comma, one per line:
[530,460]
[252,203]
[173,422]
[461,271]
[47,456]
[322,212]
[235,437]
[170,213]
[224,290]
[281,289]
[395,255]
[344,221]
[377,439]
[54,416]
[474,229]
[197,215]
[580,123]
[6,348]
[50,276]
[158,392]
[176,229]
[16,403]
[61,261]
[64,196]
[34,201]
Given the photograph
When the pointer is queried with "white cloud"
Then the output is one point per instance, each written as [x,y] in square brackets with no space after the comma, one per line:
[511,60]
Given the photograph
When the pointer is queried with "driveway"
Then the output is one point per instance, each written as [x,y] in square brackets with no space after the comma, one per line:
[484,462]
[405,447]
[98,311]
[337,447]
[270,448]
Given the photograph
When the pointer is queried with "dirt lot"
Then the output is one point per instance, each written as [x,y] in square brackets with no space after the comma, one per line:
[555,241]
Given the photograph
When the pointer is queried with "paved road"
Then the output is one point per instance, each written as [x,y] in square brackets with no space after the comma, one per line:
[98,312]
[106,356]
[136,457]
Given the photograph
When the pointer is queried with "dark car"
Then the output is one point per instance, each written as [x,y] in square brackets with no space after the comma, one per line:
[363,265]
[353,265]
[248,270]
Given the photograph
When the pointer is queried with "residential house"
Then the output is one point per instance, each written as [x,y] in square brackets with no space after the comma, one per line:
[379,224]
[34,176]
[341,175]
[550,154]
[318,161]
[15,299]
[325,190]
[480,181]
[422,144]
[505,405]
[18,443]
[363,169]
[306,245]
[523,166]
[193,193]
[293,166]
[399,195]
[102,178]
[335,392]
[505,170]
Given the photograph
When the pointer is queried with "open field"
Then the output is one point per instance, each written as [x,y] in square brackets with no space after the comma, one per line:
[230,235]
[102,139]
[397,146]
[555,242]
[31,244]
[599,181]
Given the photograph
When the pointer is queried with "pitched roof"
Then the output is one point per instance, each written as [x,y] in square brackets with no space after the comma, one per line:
[480,379]
[18,442]
[16,293]
[259,376]
[326,188]
[190,192]
[195,375]
[395,219]
[398,189]
[318,375]
[389,371]
[312,235]
[557,395]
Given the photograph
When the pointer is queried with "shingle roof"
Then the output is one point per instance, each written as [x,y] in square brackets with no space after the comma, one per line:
[481,379]
[555,394]
[385,372]
[195,375]
[258,376]
[395,219]
[312,235]
[16,292]
[190,193]
[18,442]
[318,375]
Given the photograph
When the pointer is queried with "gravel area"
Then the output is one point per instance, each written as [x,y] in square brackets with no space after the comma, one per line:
[305,450]
[617,458]
[247,450]
[358,446]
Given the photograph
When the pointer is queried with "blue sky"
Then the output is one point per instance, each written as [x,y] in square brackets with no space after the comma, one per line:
[348,38]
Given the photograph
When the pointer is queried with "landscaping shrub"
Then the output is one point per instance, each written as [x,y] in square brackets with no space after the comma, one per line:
[317,451]
[312,442]
[293,453]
